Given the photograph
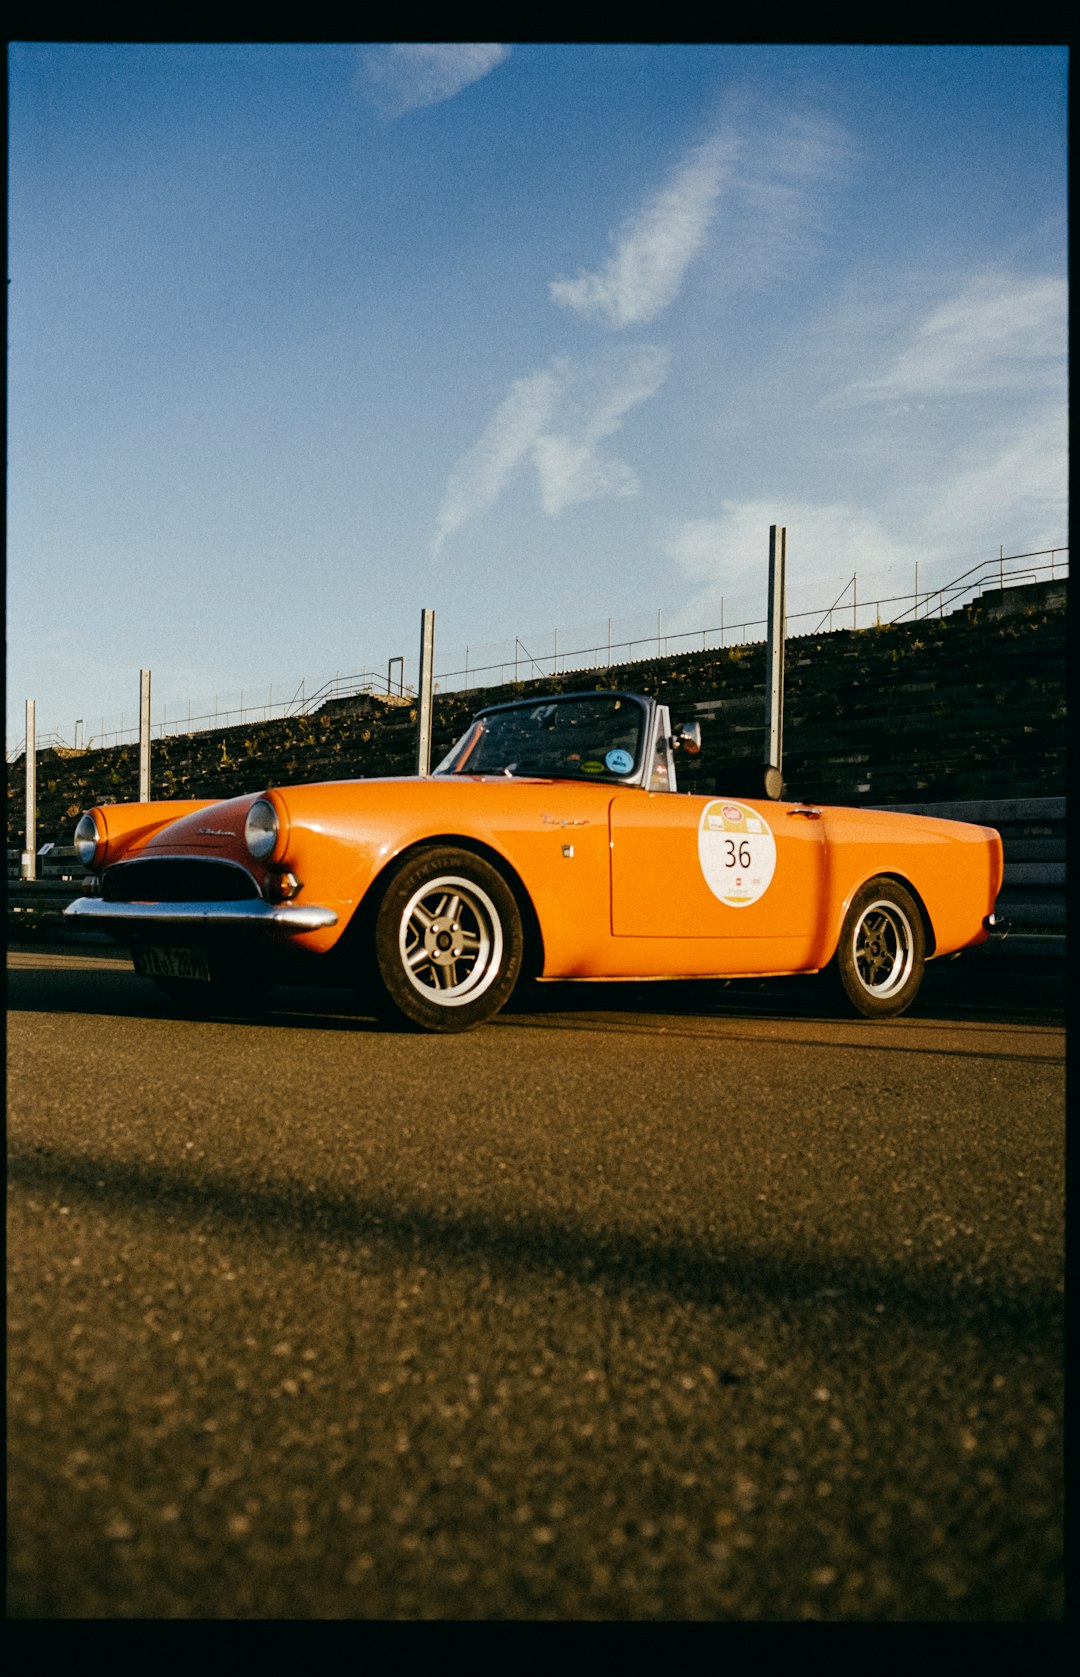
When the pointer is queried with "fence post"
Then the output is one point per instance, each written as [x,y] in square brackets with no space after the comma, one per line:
[29,860]
[774,670]
[424,692]
[144,736]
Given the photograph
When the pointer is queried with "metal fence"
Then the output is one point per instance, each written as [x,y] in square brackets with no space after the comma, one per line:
[848,611]
[225,711]
[621,641]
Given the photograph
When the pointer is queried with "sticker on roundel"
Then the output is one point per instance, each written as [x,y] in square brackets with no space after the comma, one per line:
[737,852]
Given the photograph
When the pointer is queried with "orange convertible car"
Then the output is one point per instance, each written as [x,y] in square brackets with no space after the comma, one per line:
[552,841]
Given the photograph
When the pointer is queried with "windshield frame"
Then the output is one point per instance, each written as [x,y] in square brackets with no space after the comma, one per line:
[456,761]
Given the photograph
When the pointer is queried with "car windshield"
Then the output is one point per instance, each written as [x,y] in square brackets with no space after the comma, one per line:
[592,737]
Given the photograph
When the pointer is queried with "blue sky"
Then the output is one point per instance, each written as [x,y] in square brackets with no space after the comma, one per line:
[304,339]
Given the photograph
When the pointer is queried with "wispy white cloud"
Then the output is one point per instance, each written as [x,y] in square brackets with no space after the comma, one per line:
[1014,485]
[726,556]
[407,76]
[657,244]
[771,220]
[480,476]
[571,467]
[753,191]
[558,419]
[998,332]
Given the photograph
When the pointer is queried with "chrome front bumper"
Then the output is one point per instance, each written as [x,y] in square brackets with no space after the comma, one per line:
[997,925]
[299,917]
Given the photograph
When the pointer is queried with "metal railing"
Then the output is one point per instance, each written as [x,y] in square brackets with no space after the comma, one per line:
[521,662]
[847,611]
[936,602]
[224,715]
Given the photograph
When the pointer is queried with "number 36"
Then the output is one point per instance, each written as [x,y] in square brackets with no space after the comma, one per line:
[740,856]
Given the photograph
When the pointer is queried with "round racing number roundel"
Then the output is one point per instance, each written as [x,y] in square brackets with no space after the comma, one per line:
[737,852]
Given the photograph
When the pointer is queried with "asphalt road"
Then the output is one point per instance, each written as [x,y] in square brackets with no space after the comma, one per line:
[638,1303]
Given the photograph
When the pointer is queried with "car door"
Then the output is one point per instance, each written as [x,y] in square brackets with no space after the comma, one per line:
[718,868]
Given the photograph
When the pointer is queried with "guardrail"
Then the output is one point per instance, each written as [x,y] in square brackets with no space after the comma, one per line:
[1033,836]
[54,861]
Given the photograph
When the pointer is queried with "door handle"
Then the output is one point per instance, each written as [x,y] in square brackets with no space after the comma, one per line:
[811,811]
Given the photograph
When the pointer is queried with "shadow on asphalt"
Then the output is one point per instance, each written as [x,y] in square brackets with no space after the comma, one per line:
[114,994]
[954,993]
[950,992]
[737,1279]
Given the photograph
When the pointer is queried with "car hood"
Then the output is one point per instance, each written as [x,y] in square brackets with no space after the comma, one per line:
[216,827]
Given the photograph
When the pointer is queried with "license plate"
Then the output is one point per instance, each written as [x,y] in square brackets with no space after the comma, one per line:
[172,963]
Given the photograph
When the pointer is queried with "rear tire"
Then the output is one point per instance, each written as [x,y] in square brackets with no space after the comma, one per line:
[448,941]
[881,956]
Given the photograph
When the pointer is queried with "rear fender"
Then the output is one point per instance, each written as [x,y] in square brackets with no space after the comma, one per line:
[929,935]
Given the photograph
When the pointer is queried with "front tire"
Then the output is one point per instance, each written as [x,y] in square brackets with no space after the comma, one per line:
[881,956]
[448,941]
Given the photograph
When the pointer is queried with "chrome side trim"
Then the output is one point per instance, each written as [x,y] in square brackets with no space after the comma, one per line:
[301,917]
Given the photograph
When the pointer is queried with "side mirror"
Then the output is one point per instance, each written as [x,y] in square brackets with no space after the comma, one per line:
[687,737]
[772,781]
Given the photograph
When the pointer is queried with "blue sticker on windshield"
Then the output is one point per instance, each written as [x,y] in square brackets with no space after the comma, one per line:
[619,761]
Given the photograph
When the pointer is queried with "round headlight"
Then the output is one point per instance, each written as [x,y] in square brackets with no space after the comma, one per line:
[86,841]
[261,829]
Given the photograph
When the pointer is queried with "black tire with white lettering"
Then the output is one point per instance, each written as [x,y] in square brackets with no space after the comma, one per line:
[448,941]
[880,959]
